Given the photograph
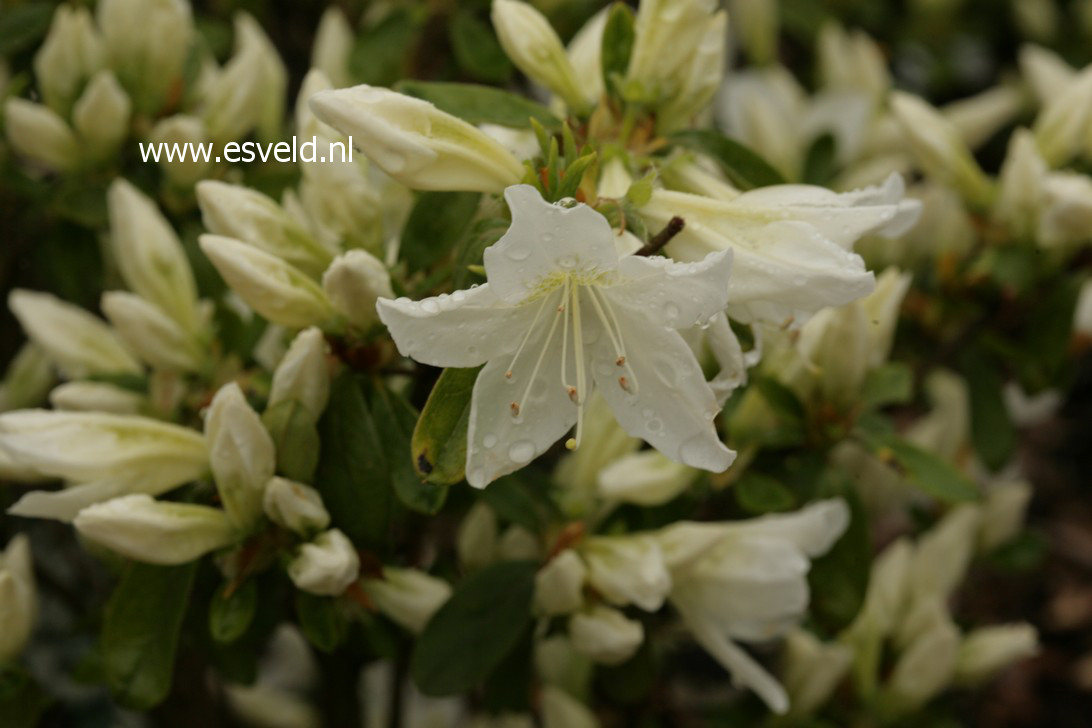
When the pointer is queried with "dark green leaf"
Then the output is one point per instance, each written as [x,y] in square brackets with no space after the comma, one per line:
[617,44]
[480,236]
[21,26]
[399,419]
[439,440]
[481,104]
[891,383]
[476,48]
[21,699]
[517,500]
[780,398]
[382,53]
[745,168]
[435,225]
[821,164]
[230,615]
[758,494]
[473,632]
[296,438]
[992,431]
[508,687]
[321,621]
[839,579]
[923,469]
[631,681]
[140,632]
[1023,553]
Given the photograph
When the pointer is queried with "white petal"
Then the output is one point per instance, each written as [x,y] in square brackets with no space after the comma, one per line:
[463,329]
[676,295]
[672,407]
[545,239]
[65,504]
[812,529]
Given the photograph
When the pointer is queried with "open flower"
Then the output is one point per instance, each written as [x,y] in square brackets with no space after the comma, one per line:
[559,315]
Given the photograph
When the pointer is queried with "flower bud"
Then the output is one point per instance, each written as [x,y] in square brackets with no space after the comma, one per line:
[1066,209]
[851,61]
[1045,72]
[835,342]
[77,342]
[416,143]
[302,374]
[187,132]
[27,380]
[944,553]
[605,635]
[273,80]
[327,565]
[147,42]
[1082,313]
[294,506]
[812,670]
[277,290]
[233,99]
[700,78]
[938,147]
[101,115]
[18,597]
[476,541]
[604,442]
[559,585]
[756,23]
[981,116]
[407,596]
[666,32]
[1062,125]
[1020,191]
[71,53]
[39,134]
[988,650]
[946,429]
[517,543]
[887,590]
[646,478]
[245,214]
[353,283]
[1003,513]
[241,453]
[561,710]
[155,337]
[628,569]
[96,397]
[155,532]
[926,667]
[558,663]
[530,41]
[333,45]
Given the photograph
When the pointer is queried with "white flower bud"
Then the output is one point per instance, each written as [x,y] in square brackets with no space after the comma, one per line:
[700,77]
[1003,513]
[246,214]
[812,670]
[531,42]
[327,565]
[277,290]
[182,130]
[882,308]
[1066,209]
[353,283]
[18,597]
[333,45]
[273,81]
[559,585]
[147,42]
[302,374]
[71,53]
[835,341]
[416,143]
[666,34]
[946,429]
[294,506]
[153,335]
[39,134]
[241,453]
[561,710]
[979,117]
[944,553]
[96,397]
[646,478]
[628,569]
[27,380]
[1020,191]
[407,596]
[926,667]
[605,635]
[476,540]
[233,99]
[77,342]
[1045,71]
[585,53]
[150,255]
[518,543]
[101,115]
[988,650]
[558,663]
[155,532]
[1062,125]
[851,61]
[938,147]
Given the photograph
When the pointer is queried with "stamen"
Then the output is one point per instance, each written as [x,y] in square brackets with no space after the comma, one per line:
[514,406]
[531,328]
[614,330]
[624,384]
[538,365]
[565,337]
[620,361]
[579,395]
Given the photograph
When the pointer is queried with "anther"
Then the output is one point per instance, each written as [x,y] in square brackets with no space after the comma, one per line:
[514,407]
[508,374]
[620,361]
[572,394]
[624,383]
[570,444]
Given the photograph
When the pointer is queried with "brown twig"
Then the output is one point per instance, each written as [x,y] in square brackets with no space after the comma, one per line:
[656,243]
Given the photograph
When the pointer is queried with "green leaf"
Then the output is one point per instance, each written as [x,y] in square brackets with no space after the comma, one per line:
[22,700]
[399,419]
[923,469]
[780,398]
[481,235]
[515,499]
[617,44]
[435,225]
[758,494]
[891,383]
[476,48]
[474,630]
[352,472]
[992,431]
[23,25]
[321,622]
[296,438]
[631,681]
[839,579]
[230,615]
[481,104]
[821,164]
[140,632]
[382,53]
[745,168]
[439,439]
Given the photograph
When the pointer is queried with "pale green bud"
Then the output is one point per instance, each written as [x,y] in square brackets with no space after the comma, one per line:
[835,341]
[275,289]
[303,374]
[605,635]
[627,570]
[77,342]
[1062,126]
[273,79]
[241,453]
[944,553]
[531,42]
[812,670]
[559,585]
[700,77]
[1045,72]
[561,710]
[18,597]
[851,61]
[333,45]
[646,478]
[946,429]
[295,506]
[96,397]
[1067,209]
[1003,513]
[989,650]
[517,543]
[926,667]
[666,34]
[155,532]
[147,42]
[39,134]
[182,130]
[233,96]
[353,283]
[101,115]
[152,334]
[981,116]
[407,596]
[327,565]
[476,540]
[27,380]
[1082,314]
[71,53]
[1020,192]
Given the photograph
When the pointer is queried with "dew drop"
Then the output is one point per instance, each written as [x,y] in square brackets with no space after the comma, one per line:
[489,440]
[567,261]
[522,451]
[518,252]
[671,310]
[654,425]
[430,306]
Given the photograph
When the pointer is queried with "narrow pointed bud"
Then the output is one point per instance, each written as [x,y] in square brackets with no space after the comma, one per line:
[559,585]
[981,116]
[333,45]
[944,553]
[812,670]
[926,667]
[605,635]
[71,53]
[1067,210]
[155,532]
[233,102]
[476,541]
[353,283]
[408,596]
[1003,513]
[1020,190]
[561,710]
[938,147]
[1045,72]
[851,61]
[666,34]
[39,134]
[101,115]
[416,143]
[27,380]
[1062,126]
[302,374]
[77,342]
[152,335]
[628,570]
[150,255]
[96,397]
[275,289]
[273,80]
[18,597]
[646,478]
[241,453]
[147,42]
[182,130]
[295,506]
[245,214]
[700,78]
[326,566]
[989,650]
[531,42]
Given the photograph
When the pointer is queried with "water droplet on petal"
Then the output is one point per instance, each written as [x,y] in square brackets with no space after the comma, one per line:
[654,425]
[522,451]
[489,440]
[567,261]
[430,306]
[518,251]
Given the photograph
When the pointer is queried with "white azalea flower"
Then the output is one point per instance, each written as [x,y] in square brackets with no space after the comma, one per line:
[560,315]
